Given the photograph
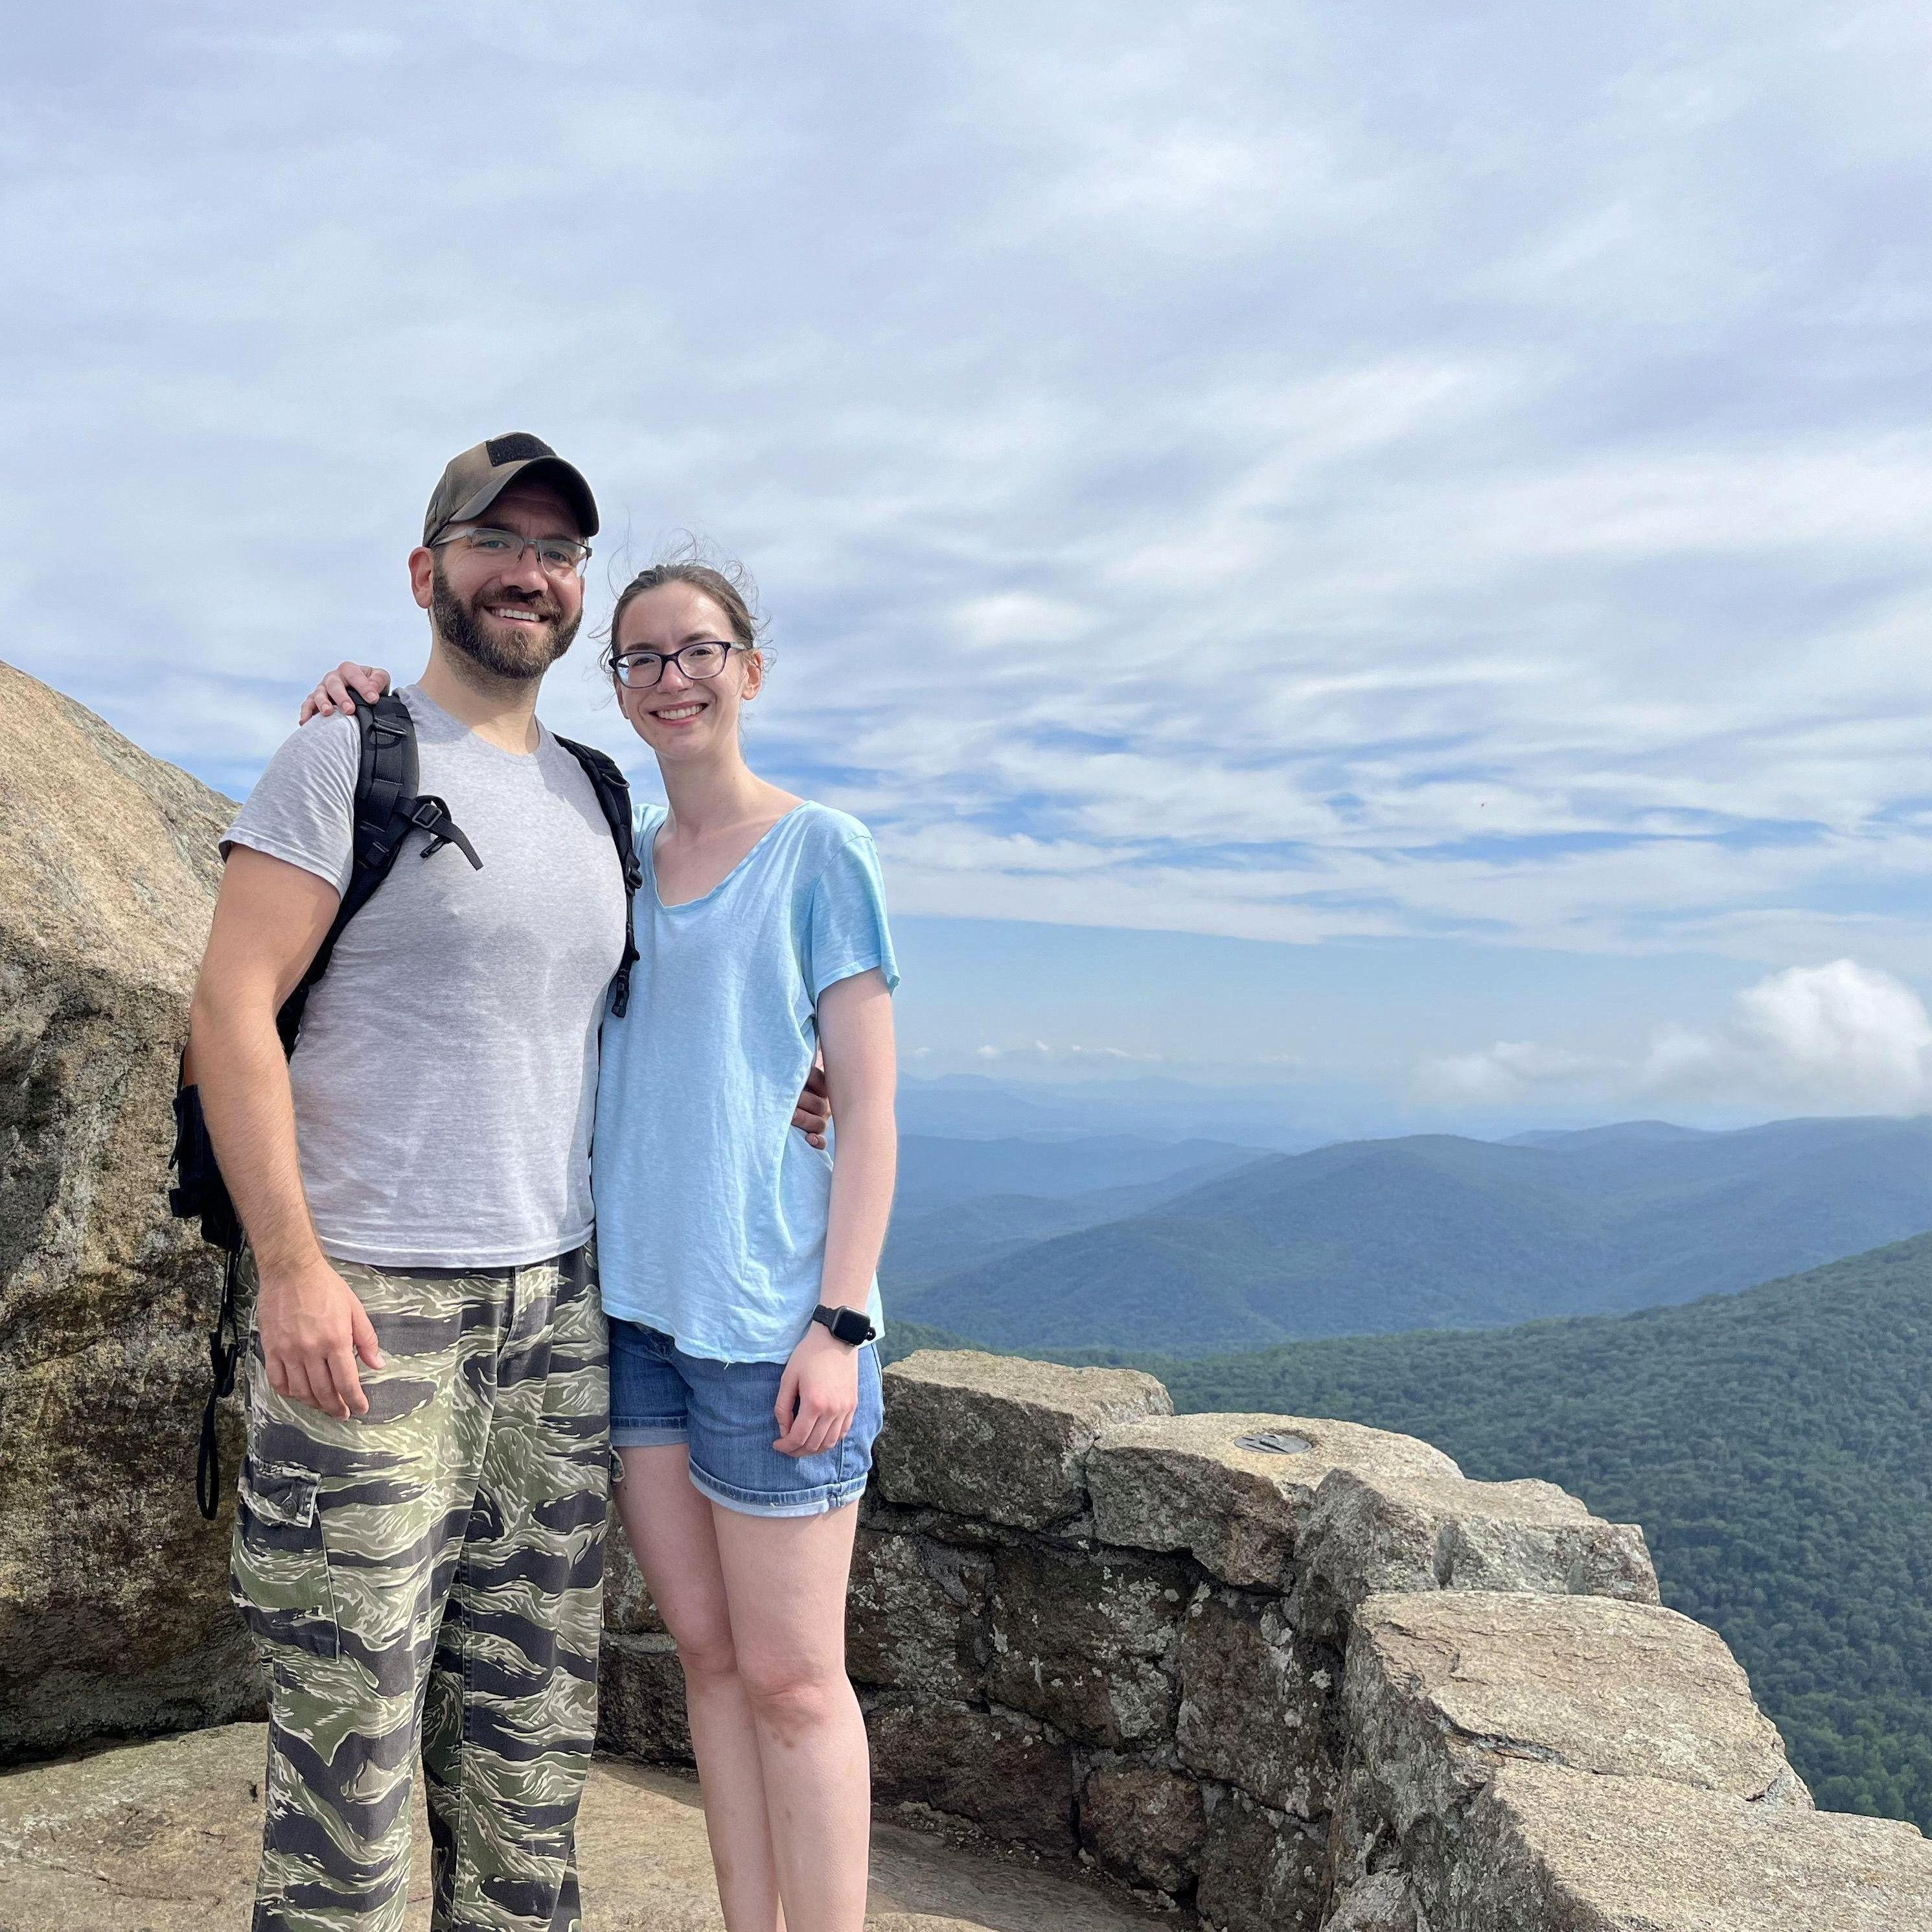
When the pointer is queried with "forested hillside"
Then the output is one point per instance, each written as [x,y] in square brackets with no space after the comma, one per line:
[1433,1231]
[1775,1444]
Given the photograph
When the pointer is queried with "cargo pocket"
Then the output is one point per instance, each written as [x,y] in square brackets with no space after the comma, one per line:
[279,1574]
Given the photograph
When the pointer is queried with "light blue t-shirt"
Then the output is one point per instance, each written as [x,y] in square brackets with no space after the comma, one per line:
[711,1206]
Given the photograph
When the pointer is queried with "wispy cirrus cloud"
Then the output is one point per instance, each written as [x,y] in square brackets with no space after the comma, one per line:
[1271,471]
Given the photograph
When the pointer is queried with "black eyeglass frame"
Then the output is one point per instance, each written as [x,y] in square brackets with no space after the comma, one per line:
[676,657]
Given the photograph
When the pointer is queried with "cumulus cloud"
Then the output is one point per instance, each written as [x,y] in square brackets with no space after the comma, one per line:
[1841,1038]
[1509,1071]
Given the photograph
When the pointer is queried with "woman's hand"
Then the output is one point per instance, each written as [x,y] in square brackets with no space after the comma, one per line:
[813,1114]
[818,1393]
[340,689]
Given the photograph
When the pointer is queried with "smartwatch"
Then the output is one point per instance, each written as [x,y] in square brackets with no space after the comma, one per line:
[851,1326]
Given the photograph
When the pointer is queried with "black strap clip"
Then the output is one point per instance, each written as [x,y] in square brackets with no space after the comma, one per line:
[431,815]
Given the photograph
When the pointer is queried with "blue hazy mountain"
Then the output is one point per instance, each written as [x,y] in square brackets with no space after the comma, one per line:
[1653,1133]
[1439,1231]
[962,1203]
[937,1172]
[1286,1118]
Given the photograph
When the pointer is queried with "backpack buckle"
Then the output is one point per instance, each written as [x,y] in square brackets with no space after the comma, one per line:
[431,815]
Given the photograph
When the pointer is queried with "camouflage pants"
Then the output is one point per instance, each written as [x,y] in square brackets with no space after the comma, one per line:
[426,1579]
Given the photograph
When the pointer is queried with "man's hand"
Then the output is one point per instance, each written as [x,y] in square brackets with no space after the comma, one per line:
[818,1394]
[340,689]
[313,1329]
[813,1114]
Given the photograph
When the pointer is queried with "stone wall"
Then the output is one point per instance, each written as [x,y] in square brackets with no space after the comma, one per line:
[1285,1672]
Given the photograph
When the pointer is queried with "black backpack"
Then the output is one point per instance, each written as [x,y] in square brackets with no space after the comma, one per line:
[389,807]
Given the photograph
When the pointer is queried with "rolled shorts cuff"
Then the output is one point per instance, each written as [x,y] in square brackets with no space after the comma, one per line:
[820,1501]
[652,1432]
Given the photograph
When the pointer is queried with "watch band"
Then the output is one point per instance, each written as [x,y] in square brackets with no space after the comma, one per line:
[852,1326]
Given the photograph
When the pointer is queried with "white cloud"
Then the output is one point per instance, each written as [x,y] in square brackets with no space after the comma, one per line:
[1842,1038]
[1040,1052]
[1509,1071]
[1282,472]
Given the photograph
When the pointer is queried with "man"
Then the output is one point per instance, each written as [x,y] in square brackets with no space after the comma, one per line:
[419,1535]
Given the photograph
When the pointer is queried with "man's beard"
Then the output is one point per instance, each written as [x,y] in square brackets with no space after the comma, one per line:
[513,651]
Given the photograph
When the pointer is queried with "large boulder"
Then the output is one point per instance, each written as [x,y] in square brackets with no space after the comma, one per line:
[1368,1532]
[1001,1439]
[1552,1849]
[1233,1490]
[1443,1687]
[114,1615]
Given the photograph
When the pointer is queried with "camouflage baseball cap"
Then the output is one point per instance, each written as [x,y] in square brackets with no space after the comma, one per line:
[470,483]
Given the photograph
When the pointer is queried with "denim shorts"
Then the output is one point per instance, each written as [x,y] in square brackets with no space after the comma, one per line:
[724,1411]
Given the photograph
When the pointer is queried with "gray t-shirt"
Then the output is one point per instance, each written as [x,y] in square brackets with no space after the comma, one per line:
[446,1079]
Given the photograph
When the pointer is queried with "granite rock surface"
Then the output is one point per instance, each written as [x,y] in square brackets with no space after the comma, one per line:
[162,1836]
[1233,1490]
[1001,1439]
[114,1612]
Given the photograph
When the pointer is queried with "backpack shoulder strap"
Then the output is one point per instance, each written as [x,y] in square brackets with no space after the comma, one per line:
[388,808]
[613,796]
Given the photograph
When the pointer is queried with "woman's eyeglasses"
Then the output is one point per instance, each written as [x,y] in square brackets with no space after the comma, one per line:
[638,671]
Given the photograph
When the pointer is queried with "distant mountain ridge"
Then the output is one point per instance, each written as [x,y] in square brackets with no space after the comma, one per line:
[1439,1231]
[1653,1132]
[962,1203]
[937,1172]
[1286,1117]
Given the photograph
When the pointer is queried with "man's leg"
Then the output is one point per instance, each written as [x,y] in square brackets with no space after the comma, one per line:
[341,1559]
[512,1709]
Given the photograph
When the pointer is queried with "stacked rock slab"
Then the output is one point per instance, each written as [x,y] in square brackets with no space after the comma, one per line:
[1296,1673]
[114,1615]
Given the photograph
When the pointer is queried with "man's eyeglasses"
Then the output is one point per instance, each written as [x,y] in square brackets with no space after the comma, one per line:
[557,556]
[638,671]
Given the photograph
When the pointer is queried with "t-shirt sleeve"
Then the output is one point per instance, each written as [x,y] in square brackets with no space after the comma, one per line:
[846,933]
[302,810]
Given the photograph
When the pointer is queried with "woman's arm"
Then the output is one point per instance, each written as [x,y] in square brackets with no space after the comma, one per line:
[819,1392]
[855,1023]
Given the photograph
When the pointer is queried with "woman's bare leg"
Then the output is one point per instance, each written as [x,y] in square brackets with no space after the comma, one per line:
[785,1580]
[669,1525]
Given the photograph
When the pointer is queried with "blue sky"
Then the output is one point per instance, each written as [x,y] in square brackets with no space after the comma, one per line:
[1379,547]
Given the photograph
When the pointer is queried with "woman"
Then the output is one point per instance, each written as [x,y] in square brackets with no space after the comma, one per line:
[737,1260]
